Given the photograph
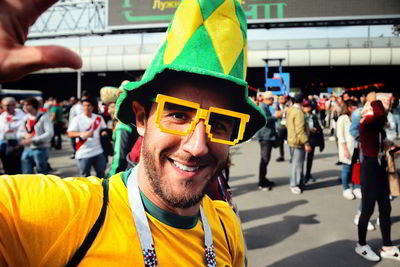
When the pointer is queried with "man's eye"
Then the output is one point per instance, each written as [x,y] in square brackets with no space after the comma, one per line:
[218,127]
[179,116]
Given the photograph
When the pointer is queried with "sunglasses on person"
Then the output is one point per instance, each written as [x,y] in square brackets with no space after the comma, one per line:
[180,117]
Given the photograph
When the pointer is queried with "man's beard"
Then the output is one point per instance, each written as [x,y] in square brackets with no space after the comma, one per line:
[161,187]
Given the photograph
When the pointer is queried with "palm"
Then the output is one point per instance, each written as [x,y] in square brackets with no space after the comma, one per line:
[16,59]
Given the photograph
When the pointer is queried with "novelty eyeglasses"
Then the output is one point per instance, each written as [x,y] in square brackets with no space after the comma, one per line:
[180,117]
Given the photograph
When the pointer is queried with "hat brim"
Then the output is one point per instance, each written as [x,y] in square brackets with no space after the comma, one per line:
[134,91]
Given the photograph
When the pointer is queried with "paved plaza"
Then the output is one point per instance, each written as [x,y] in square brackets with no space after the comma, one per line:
[281,229]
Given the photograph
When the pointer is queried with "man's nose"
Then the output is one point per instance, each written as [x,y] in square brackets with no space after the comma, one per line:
[196,143]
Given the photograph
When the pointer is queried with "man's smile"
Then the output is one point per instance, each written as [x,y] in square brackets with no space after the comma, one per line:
[188,167]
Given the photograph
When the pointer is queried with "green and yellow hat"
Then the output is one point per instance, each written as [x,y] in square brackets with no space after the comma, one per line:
[206,38]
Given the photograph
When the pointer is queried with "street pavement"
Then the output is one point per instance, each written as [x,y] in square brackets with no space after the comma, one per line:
[312,229]
[281,229]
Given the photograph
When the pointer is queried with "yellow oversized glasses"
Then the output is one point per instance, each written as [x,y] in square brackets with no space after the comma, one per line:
[180,117]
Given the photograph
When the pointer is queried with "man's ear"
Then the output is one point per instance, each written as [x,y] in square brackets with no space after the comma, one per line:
[140,117]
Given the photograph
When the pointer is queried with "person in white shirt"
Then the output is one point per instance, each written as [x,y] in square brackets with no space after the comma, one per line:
[35,133]
[75,110]
[346,145]
[10,151]
[86,128]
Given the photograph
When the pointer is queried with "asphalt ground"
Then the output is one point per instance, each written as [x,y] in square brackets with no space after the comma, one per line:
[312,229]
[282,229]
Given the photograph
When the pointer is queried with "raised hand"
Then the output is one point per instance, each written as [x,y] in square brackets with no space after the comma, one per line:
[16,59]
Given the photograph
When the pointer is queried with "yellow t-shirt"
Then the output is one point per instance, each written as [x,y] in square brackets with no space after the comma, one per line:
[44,219]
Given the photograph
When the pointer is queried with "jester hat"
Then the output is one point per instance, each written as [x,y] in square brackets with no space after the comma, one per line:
[208,38]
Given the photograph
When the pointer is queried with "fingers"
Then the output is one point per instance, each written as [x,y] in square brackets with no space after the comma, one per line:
[58,56]
[24,60]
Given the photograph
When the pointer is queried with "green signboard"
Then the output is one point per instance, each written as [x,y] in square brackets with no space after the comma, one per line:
[123,14]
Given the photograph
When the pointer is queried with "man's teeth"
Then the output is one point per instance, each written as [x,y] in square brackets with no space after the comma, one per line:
[184,167]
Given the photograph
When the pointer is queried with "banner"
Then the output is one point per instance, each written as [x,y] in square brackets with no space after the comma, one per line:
[136,14]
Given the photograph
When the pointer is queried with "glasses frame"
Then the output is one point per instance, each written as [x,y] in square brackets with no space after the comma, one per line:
[201,114]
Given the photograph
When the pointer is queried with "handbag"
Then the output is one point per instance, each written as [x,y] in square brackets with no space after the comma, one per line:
[355,174]
[356,166]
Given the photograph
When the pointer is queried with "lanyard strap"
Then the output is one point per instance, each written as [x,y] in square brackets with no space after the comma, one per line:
[143,229]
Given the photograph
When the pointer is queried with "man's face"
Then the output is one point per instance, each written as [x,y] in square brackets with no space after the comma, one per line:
[339,100]
[282,100]
[9,107]
[87,108]
[345,97]
[28,108]
[179,168]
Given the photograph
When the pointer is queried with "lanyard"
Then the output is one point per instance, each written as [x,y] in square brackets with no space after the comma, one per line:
[142,227]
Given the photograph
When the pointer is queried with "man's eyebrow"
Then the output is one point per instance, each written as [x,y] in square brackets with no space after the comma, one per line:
[171,106]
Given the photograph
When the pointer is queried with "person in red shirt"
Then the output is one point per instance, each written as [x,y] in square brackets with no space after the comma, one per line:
[374,181]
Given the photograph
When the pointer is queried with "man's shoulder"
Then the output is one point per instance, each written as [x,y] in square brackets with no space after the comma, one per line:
[95,116]
[80,117]
[58,211]
[40,197]
[43,116]
[294,110]
[37,186]
[19,113]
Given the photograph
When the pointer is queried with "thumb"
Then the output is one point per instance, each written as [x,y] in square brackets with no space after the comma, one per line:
[26,59]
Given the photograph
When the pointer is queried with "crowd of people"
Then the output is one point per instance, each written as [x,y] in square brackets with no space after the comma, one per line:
[364,125]
[31,126]
[160,212]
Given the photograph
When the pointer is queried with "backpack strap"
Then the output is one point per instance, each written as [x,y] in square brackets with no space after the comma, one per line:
[33,127]
[91,236]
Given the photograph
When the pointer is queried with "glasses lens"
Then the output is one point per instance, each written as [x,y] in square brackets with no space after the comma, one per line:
[177,117]
[224,127]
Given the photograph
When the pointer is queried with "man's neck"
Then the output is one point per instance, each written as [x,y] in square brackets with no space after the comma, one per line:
[89,115]
[147,190]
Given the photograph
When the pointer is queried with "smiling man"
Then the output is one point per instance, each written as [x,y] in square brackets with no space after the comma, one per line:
[190,107]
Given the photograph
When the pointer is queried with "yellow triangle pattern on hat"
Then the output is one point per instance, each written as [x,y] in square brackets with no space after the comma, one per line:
[208,38]
[227,38]
[186,21]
